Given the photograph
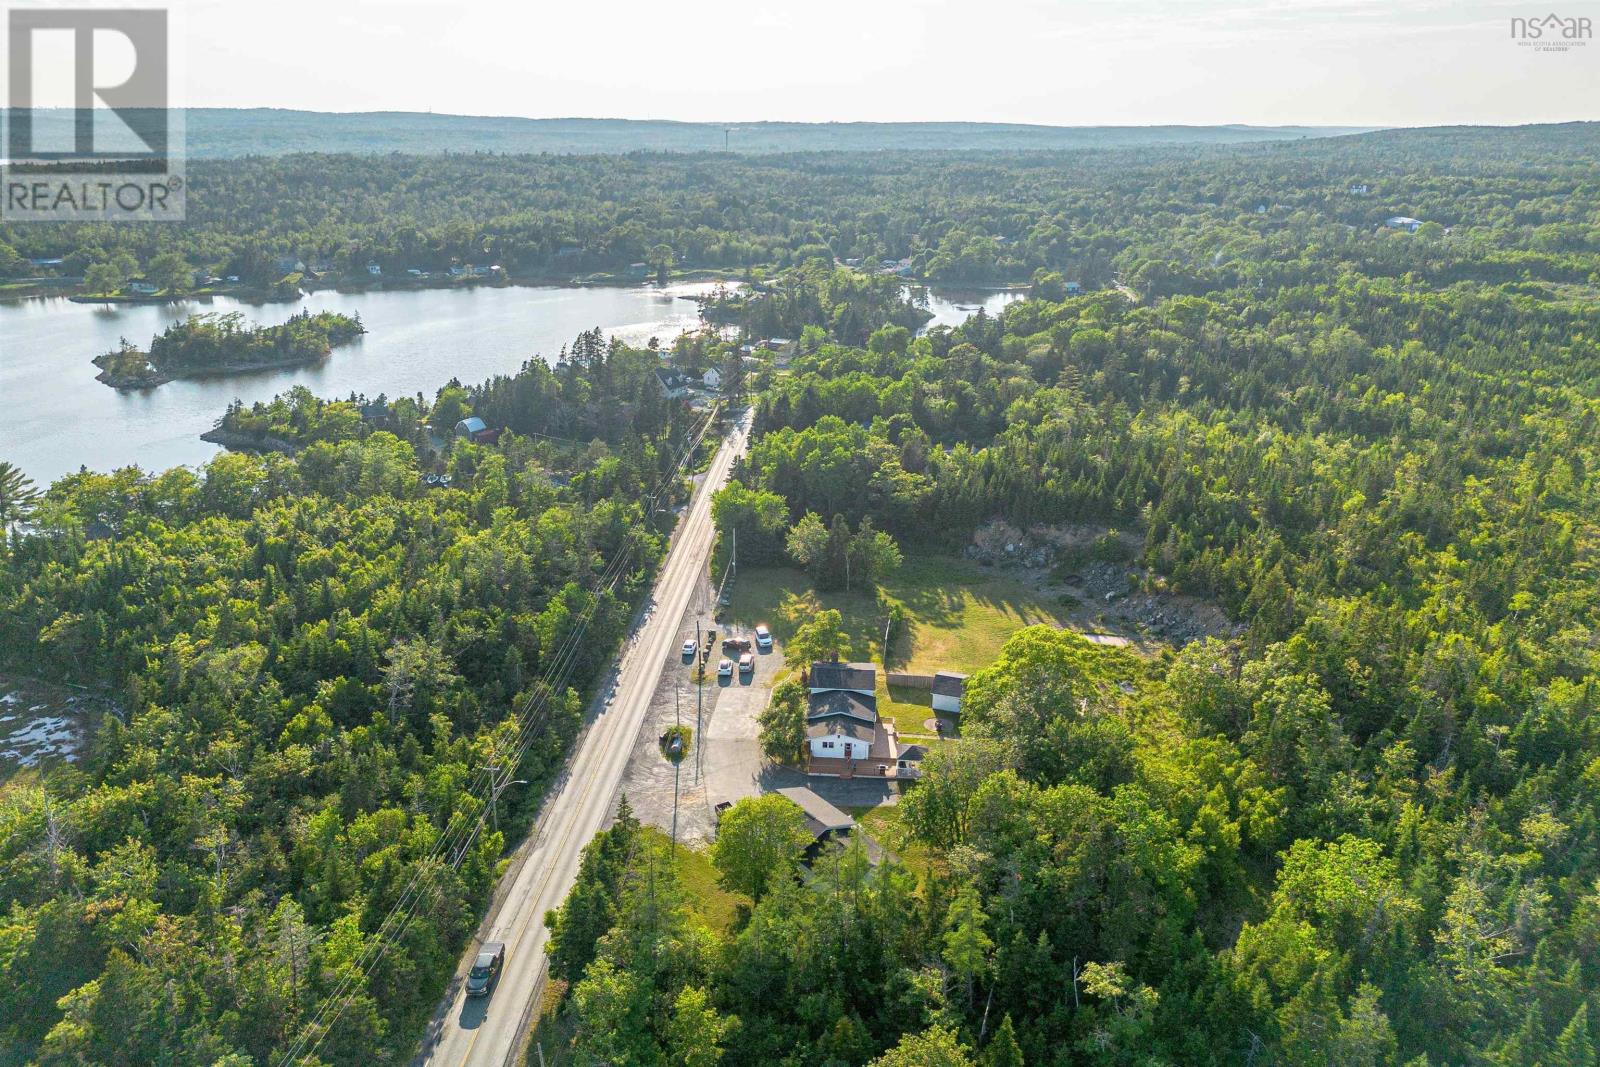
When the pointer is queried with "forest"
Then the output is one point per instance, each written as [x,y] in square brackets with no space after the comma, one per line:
[1364,831]
[221,343]
[315,657]
[1165,219]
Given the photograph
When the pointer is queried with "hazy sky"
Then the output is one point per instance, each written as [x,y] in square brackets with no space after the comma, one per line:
[1060,62]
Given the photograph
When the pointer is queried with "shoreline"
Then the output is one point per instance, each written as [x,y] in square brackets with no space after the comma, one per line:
[243,442]
[158,378]
[254,295]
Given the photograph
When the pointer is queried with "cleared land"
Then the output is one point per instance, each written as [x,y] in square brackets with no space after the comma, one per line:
[959,614]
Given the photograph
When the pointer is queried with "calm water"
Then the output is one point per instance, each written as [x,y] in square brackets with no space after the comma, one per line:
[951,307]
[54,417]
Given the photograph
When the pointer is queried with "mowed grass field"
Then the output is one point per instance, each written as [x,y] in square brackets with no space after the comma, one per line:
[959,614]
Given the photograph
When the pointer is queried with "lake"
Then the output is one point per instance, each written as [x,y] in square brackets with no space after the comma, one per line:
[55,418]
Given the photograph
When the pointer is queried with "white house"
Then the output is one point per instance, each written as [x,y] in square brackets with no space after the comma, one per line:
[947,689]
[712,378]
[841,738]
[674,386]
[842,713]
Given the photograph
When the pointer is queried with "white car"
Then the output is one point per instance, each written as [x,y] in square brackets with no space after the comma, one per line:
[763,637]
[688,648]
[747,663]
[725,669]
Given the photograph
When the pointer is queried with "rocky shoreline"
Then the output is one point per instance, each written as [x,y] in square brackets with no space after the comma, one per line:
[246,442]
[149,377]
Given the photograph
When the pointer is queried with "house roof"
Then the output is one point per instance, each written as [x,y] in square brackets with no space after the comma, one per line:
[669,377]
[836,725]
[842,703]
[471,424]
[844,676]
[948,684]
[914,753]
[820,815]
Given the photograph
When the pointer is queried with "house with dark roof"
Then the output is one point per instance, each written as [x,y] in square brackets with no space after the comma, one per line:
[822,818]
[674,385]
[844,735]
[947,689]
[860,678]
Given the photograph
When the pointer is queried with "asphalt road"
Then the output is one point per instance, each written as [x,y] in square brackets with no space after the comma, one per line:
[488,1032]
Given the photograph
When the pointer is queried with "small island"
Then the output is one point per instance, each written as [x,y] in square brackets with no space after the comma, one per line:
[212,344]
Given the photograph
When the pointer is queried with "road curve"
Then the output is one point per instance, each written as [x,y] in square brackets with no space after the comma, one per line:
[489,1032]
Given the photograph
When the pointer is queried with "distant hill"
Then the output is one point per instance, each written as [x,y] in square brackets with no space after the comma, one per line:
[221,133]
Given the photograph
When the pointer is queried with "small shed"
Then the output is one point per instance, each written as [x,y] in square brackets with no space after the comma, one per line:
[948,687]
[822,818]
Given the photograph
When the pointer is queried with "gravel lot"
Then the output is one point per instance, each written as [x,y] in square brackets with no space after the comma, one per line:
[725,762]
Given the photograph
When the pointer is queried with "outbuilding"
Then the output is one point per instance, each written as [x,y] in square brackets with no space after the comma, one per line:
[948,687]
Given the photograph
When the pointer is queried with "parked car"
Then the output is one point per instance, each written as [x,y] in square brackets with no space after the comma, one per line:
[689,649]
[486,969]
[763,638]
[736,644]
[747,663]
[725,669]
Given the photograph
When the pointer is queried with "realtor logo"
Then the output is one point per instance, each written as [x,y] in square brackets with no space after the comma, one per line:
[1552,32]
[89,133]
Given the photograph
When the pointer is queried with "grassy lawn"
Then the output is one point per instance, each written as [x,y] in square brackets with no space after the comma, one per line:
[959,613]
[715,906]
[908,709]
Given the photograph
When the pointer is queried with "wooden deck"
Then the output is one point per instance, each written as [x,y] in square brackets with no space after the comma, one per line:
[823,767]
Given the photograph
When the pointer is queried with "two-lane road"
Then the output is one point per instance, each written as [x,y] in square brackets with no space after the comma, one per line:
[488,1032]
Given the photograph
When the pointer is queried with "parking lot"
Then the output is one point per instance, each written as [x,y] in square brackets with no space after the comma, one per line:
[724,762]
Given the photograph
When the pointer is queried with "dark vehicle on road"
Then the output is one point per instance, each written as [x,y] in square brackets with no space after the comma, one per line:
[486,969]
[736,644]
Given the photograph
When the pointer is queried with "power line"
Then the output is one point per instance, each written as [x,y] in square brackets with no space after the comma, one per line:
[535,707]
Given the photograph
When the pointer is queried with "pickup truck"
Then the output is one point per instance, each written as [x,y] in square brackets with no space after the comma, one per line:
[736,644]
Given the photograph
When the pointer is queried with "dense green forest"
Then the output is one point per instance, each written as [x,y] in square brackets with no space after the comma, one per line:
[1366,832]
[1191,218]
[1363,832]
[316,657]
[219,344]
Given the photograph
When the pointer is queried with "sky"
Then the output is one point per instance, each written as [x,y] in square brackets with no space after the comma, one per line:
[1053,62]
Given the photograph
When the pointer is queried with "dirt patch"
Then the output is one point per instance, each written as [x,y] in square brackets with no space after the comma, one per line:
[1089,570]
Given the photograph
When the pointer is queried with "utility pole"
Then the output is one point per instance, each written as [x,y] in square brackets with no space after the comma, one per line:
[496,787]
[700,673]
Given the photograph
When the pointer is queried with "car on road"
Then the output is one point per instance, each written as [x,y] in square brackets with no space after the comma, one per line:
[747,663]
[486,968]
[689,649]
[725,669]
[763,638]
[736,644]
